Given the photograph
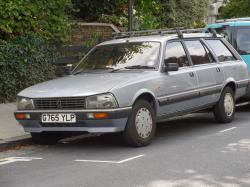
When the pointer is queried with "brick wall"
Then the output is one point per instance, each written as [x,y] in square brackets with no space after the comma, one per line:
[83,37]
[82,33]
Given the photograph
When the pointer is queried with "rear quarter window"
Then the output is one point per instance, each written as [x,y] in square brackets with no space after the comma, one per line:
[221,51]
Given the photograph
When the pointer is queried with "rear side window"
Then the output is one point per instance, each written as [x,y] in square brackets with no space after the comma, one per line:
[197,52]
[221,51]
[243,41]
[175,53]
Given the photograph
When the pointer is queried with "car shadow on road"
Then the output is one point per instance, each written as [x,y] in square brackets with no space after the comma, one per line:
[176,127]
[197,122]
[172,129]
[244,108]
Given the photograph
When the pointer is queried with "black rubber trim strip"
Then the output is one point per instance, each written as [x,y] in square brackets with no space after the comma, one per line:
[178,98]
[165,117]
[192,95]
[209,91]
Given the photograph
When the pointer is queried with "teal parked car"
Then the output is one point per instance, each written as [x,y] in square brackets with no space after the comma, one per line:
[237,32]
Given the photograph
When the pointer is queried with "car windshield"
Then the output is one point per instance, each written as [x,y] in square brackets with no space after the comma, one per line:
[140,55]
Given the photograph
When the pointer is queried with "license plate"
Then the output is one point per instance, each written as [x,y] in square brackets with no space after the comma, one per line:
[58,118]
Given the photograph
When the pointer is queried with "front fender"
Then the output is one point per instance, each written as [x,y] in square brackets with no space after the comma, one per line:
[145,91]
[229,80]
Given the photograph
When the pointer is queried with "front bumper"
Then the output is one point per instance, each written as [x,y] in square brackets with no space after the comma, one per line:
[116,121]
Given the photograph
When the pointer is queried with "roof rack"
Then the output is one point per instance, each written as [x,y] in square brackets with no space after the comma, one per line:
[179,31]
[233,19]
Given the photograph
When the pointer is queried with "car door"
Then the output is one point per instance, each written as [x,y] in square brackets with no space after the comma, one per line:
[209,74]
[229,62]
[178,88]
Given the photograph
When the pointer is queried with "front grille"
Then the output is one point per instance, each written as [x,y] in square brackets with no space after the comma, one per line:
[60,103]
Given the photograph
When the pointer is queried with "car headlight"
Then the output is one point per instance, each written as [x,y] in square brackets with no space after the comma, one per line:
[102,101]
[24,103]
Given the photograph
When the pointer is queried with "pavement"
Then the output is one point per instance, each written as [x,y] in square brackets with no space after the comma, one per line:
[10,130]
[190,151]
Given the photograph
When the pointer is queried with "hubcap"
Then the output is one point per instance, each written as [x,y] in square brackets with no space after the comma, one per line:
[143,122]
[229,104]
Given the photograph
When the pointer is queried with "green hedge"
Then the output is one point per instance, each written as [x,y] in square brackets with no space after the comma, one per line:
[46,18]
[24,61]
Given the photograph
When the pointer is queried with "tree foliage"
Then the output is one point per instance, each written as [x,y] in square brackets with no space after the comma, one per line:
[147,13]
[235,9]
[184,13]
[92,10]
[28,31]
[116,12]
[43,17]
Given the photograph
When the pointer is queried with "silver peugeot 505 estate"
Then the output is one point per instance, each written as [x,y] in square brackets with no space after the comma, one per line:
[129,84]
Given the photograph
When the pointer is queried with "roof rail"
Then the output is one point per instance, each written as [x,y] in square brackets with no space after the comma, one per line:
[117,35]
[179,31]
[233,19]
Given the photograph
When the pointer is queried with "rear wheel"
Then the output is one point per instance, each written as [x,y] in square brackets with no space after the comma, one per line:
[225,109]
[45,138]
[141,125]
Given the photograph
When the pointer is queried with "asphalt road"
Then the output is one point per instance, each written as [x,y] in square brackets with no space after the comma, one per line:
[187,151]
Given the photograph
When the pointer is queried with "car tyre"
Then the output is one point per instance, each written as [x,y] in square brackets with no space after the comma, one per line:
[224,110]
[45,138]
[141,125]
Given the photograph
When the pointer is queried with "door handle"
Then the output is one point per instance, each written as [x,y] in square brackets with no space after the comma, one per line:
[191,74]
[218,69]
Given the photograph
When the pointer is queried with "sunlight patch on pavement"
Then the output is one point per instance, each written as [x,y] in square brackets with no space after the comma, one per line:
[197,180]
[242,145]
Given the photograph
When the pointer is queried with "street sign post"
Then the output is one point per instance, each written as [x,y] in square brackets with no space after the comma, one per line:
[130,14]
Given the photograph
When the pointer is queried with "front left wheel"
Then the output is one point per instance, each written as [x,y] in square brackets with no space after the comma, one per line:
[141,125]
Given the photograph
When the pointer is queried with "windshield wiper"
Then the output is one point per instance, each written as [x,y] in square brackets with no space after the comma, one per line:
[77,72]
[132,67]
[117,69]
[95,68]
[139,67]
[102,67]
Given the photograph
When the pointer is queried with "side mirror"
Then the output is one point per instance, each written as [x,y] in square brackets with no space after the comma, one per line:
[171,66]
